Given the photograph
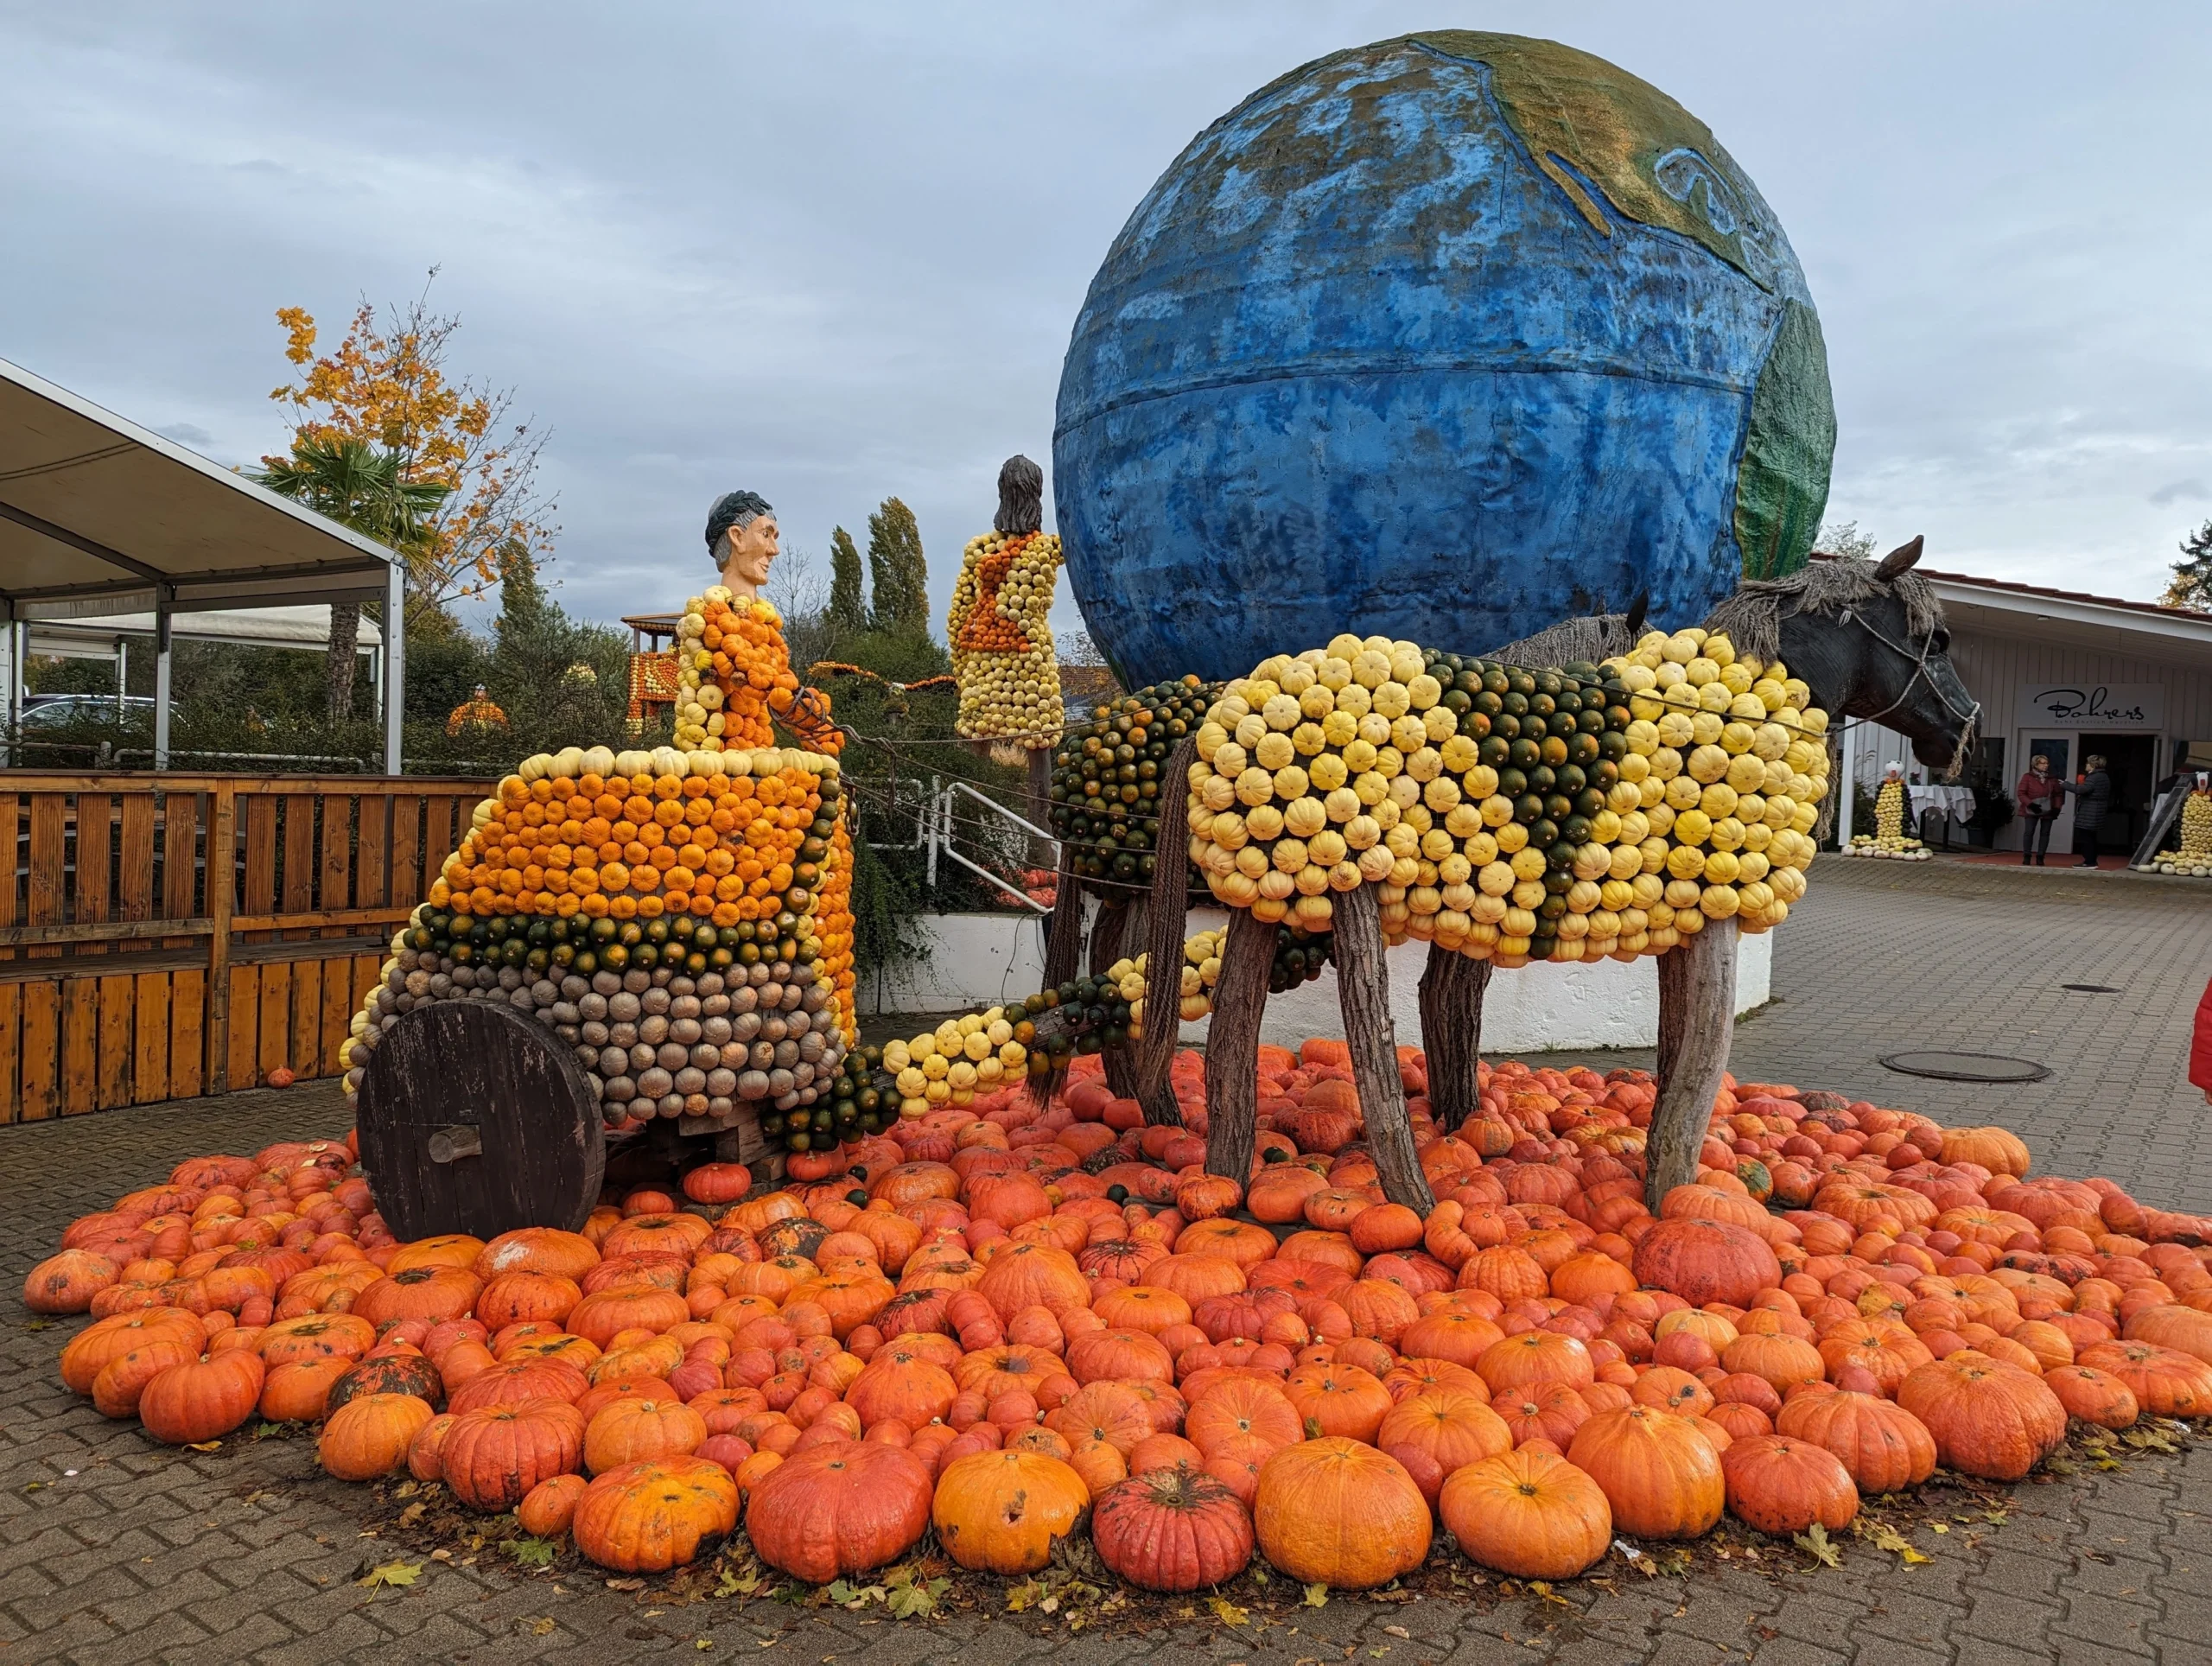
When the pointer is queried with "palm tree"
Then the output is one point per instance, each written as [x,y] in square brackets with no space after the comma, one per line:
[352,482]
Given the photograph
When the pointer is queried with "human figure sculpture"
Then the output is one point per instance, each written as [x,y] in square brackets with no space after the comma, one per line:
[735,678]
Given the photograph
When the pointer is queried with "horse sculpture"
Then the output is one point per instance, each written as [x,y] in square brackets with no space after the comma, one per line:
[1869,640]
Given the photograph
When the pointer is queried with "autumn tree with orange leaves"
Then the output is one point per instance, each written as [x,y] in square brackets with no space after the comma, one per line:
[386,385]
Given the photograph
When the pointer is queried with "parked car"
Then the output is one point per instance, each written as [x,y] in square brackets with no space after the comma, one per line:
[45,712]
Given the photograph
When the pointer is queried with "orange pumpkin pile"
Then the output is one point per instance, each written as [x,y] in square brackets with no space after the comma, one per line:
[999,1324]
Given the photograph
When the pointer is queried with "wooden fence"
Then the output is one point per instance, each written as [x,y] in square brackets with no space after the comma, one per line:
[167,935]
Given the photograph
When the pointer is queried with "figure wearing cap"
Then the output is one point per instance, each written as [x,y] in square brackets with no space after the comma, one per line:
[736,680]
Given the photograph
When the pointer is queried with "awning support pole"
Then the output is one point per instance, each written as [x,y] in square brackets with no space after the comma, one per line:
[122,676]
[11,706]
[395,663]
[1848,787]
[163,597]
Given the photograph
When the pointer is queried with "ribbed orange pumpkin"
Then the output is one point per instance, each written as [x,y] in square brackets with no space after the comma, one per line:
[605,1314]
[1244,1415]
[538,1249]
[201,1400]
[1778,1485]
[1882,1447]
[105,1339]
[1339,1513]
[1534,1357]
[548,1508]
[300,1392]
[2092,1395]
[370,1436]
[1989,1419]
[1532,1514]
[901,1385]
[640,1429]
[1172,1529]
[1034,1275]
[649,1517]
[839,1508]
[433,1292]
[494,1456]
[122,1380]
[2165,1382]
[1436,1433]
[1661,1476]
[1703,1261]
[1338,1400]
[315,1336]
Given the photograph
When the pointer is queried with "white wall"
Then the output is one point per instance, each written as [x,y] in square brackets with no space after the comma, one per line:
[985,959]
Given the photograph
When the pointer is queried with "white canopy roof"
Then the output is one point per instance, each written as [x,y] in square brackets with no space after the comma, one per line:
[307,628]
[96,514]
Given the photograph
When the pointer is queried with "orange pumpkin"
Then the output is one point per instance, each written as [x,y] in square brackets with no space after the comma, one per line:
[1988,1418]
[1882,1447]
[1532,1514]
[370,1436]
[649,1517]
[839,1508]
[1001,1512]
[1661,1476]
[1778,1485]
[1337,1512]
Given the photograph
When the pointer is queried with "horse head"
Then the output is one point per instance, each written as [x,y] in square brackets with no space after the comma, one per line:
[1869,638]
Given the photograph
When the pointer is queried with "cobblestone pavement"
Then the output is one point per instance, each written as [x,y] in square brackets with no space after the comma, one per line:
[115,1550]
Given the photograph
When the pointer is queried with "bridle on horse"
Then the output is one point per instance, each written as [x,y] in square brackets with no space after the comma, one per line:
[1970,717]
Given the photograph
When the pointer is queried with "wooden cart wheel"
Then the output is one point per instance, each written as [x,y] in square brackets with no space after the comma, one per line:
[474,1119]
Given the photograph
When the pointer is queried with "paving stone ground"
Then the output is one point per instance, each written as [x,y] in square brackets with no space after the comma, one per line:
[113,1549]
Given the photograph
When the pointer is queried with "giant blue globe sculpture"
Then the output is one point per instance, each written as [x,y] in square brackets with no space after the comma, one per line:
[1449,337]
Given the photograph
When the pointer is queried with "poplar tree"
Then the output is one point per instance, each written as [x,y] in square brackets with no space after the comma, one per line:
[897,572]
[848,584]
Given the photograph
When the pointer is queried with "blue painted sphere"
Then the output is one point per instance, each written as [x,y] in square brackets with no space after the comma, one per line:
[1446,338]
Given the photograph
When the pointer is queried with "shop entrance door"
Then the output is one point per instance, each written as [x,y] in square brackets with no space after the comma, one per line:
[2132,759]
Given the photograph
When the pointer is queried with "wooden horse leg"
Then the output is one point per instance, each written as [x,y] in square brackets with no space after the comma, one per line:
[1166,911]
[1363,992]
[1452,990]
[1063,928]
[1240,996]
[1697,1018]
[1119,919]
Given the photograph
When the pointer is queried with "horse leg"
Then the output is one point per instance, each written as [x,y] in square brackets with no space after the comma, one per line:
[1363,994]
[1452,989]
[1697,1017]
[1117,916]
[1063,928]
[1063,959]
[1165,912]
[1240,996]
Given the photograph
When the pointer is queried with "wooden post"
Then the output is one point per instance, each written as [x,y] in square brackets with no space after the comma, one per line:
[1697,1017]
[222,888]
[1240,996]
[1120,927]
[1039,807]
[1166,911]
[1064,928]
[1363,994]
[1452,990]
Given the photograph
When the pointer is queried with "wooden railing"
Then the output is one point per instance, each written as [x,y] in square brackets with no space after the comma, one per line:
[170,935]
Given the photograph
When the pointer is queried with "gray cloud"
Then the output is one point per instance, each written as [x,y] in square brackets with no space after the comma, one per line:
[2176,492]
[833,252]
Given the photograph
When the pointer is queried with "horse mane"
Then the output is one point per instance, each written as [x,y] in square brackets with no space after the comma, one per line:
[1751,617]
[1591,638]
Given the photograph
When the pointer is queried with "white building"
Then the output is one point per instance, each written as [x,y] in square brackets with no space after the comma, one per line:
[2067,675]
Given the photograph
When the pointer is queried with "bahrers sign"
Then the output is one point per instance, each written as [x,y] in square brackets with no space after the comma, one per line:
[2090,705]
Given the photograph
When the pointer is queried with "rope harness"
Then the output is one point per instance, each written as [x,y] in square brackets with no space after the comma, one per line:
[1969,719]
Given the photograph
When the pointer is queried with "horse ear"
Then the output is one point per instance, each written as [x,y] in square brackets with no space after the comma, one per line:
[1905,555]
[1635,612]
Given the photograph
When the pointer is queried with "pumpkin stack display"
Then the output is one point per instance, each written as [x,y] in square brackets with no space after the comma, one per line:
[1513,815]
[1005,1324]
[1000,629]
[2194,858]
[679,920]
[735,680]
[1889,838]
[1108,774]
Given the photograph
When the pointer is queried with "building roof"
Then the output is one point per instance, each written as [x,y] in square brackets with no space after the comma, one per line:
[99,516]
[2155,608]
[307,628]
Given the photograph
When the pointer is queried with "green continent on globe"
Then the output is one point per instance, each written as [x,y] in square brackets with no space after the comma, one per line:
[1585,120]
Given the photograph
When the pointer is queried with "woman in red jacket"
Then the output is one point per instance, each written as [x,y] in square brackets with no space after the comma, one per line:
[2041,795]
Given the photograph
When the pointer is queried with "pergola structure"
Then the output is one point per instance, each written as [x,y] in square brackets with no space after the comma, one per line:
[99,517]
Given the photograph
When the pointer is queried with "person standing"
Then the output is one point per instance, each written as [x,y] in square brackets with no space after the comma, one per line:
[2041,795]
[2094,791]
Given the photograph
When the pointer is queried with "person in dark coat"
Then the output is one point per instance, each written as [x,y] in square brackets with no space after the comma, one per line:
[2094,791]
[2041,795]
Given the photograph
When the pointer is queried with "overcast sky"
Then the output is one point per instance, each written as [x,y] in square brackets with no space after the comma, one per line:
[833,250]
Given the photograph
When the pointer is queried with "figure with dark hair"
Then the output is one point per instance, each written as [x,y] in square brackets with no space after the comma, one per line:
[999,624]
[747,684]
[2095,789]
